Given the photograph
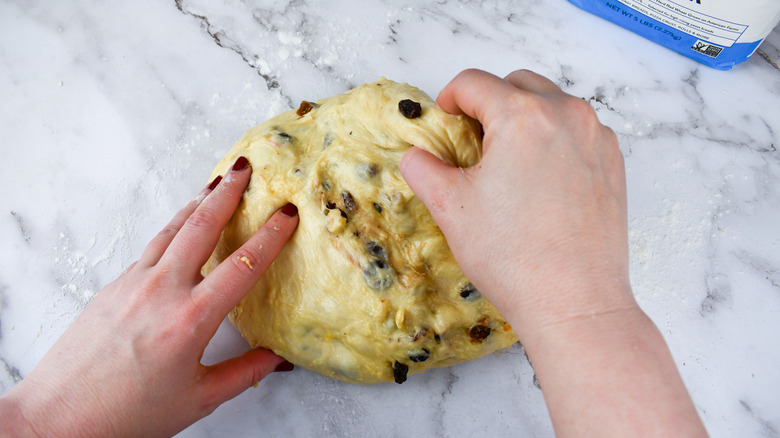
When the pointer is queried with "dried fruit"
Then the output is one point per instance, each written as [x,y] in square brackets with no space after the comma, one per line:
[376,250]
[469,292]
[378,275]
[400,372]
[478,333]
[410,109]
[367,171]
[304,108]
[349,201]
[419,355]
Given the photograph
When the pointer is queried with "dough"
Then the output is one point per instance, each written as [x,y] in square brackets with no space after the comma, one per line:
[367,289]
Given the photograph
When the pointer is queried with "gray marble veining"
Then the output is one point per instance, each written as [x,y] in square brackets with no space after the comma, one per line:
[113,116]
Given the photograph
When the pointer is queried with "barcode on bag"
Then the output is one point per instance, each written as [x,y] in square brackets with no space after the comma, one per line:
[708,49]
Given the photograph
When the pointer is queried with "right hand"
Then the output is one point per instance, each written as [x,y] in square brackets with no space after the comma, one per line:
[539,226]
[544,213]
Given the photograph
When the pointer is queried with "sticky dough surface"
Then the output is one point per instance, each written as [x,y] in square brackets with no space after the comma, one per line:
[367,289]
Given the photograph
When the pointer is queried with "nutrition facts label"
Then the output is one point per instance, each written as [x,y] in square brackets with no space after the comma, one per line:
[690,21]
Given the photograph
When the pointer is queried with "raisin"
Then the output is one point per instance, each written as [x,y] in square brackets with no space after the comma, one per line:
[376,250]
[349,201]
[469,292]
[367,171]
[400,372]
[377,207]
[478,333]
[284,137]
[327,141]
[419,355]
[330,205]
[343,214]
[378,275]
[410,109]
[304,108]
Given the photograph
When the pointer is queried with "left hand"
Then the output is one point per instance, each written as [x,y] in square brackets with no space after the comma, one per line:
[130,363]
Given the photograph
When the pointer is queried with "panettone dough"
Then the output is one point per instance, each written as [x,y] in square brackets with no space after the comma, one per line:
[367,289]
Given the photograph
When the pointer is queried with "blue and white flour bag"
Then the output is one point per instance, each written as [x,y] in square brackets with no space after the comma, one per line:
[717,33]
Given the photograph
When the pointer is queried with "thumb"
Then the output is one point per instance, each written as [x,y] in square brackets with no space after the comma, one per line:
[434,182]
[231,377]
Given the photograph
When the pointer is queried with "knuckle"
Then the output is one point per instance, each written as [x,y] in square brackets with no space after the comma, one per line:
[247,262]
[203,217]
[582,116]
[470,72]
[582,107]
[468,75]
[169,230]
[157,279]
[517,74]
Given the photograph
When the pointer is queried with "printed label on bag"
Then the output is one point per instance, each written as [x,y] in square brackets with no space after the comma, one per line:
[705,27]
[708,49]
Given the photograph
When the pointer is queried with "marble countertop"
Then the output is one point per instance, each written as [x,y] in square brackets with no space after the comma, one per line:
[113,115]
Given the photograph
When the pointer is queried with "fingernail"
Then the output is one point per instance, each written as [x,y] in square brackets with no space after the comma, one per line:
[290,210]
[284,366]
[215,183]
[240,164]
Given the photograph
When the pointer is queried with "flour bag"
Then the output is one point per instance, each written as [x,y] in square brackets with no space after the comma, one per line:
[717,33]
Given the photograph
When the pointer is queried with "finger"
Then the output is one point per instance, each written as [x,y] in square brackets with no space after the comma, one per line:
[435,183]
[532,82]
[194,243]
[475,93]
[224,287]
[157,246]
[230,378]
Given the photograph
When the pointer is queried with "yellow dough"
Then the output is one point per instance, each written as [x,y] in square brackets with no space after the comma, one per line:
[367,289]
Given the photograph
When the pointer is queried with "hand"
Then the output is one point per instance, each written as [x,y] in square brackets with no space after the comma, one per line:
[539,226]
[130,363]
[544,212]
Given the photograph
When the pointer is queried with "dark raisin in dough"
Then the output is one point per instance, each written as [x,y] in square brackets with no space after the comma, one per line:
[399,372]
[419,355]
[469,292]
[367,171]
[377,207]
[378,275]
[285,137]
[478,333]
[349,201]
[410,109]
[376,250]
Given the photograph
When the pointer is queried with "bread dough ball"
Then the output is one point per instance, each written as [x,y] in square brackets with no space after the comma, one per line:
[367,289]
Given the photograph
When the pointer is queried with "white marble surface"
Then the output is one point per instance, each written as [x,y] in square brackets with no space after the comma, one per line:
[113,114]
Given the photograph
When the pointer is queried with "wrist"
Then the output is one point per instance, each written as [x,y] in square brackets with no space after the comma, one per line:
[547,307]
[617,372]
[14,422]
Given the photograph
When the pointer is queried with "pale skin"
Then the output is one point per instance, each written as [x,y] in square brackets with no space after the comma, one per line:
[130,364]
[539,226]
